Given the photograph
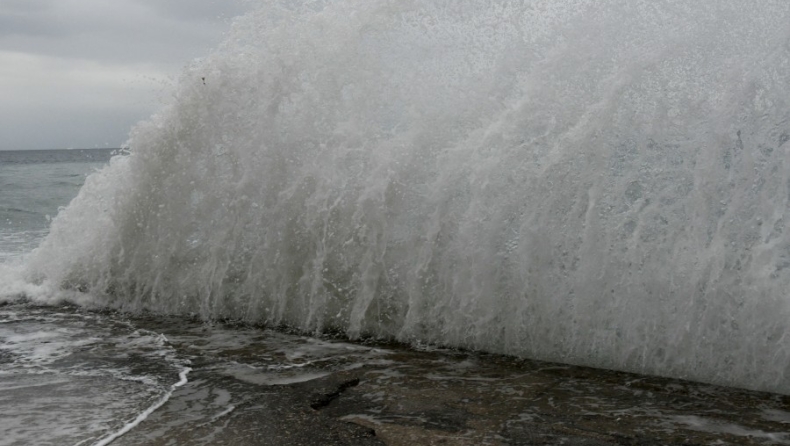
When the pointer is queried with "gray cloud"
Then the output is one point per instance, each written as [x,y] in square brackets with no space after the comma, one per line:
[82,72]
[26,6]
[30,24]
[196,11]
[131,30]
[66,128]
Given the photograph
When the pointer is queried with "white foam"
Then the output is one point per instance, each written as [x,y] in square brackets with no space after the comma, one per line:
[227,411]
[594,182]
[182,375]
[777,415]
[717,427]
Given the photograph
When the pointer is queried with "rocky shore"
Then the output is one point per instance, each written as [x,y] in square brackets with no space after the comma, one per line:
[274,389]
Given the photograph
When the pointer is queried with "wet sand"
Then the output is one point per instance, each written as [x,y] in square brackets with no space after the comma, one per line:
[365,394]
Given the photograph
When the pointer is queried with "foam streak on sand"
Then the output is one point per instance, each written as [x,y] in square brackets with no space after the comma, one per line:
[145,414]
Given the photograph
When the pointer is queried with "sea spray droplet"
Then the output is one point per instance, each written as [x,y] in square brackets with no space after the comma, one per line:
[569,181]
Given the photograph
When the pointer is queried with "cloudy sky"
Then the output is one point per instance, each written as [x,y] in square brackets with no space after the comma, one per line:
[80,73]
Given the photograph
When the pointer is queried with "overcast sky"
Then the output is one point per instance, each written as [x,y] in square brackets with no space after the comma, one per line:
[80,73]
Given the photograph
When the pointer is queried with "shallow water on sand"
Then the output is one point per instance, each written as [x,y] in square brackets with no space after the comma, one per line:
[72,376]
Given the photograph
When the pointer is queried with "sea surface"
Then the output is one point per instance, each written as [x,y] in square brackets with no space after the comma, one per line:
[34,185]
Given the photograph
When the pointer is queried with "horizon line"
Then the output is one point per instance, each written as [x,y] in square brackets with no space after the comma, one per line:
[61,148]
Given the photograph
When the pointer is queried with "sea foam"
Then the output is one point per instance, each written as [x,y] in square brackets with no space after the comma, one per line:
[597,183]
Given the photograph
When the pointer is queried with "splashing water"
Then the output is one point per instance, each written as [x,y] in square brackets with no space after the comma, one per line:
[599,183]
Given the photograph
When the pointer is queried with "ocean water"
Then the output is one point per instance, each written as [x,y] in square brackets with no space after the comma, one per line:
[594,183]
[34,186]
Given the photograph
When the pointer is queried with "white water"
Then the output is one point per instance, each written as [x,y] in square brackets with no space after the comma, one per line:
[182,379]
[599,183]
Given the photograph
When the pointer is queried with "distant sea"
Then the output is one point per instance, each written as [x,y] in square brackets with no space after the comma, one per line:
[34,184]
